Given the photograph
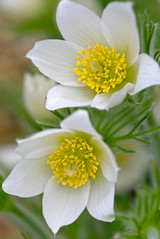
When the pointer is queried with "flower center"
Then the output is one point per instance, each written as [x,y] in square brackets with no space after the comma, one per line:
[101,69]
[74,162]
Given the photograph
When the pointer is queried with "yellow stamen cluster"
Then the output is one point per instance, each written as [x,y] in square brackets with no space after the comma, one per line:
[100,68]
[74,162]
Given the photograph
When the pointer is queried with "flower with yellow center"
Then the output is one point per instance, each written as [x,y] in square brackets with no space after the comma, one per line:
[73,163]
[100,68]
[72,166]
[98,64]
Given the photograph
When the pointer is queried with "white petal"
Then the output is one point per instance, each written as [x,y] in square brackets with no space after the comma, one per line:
[57,60]
[42,143]
[118,97]
[109,100]
[106,159]
[62,205]
[100,101]
[78,24]
[120,29]
[80,121]
[101,199]
[65,96]
[148,73]
[28,178]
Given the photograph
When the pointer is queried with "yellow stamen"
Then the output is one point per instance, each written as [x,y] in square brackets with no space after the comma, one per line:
[74,162]
[100,68]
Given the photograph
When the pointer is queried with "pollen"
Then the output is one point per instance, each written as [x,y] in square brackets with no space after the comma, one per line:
[73,162]
[100,68]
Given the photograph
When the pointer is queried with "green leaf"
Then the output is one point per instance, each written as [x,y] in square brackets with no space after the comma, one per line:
[5,199]
[59,115]
[145,217]
[24,236]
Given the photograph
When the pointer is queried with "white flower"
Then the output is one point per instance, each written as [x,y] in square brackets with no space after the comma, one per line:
[99,61]
[35,90]
[133,166]
[72,166]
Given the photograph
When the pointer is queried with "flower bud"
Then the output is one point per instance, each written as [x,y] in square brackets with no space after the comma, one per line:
[35,90]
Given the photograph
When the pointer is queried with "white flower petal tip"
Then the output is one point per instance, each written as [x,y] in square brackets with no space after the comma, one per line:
[62,205]
[120,29]
[73,26]
[148,73]
[108,101]
[101,199]
[80,121]
[119,96]
[27,179]
[56,60]
[62,96]
[107,160]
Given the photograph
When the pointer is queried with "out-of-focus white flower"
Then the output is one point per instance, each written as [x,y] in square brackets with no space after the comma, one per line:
[72,166]
[99,61]
[8,158]
[35,89]
[153,233]
[133,166]
[93,5]
[21,7]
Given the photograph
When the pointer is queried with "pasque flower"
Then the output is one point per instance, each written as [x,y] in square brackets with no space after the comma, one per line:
[98,63]
[72,166]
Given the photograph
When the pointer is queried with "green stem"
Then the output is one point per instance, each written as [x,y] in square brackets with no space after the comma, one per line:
[68,111]
[45,126]
[110,124]
[56,113]
[147,131]
[29,221]
[30,120]
[129,121]
[101,118]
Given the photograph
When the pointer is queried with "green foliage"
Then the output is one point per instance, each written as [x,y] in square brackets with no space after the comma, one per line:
[144,219]
[24,236]
[125,121]
[5,199]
